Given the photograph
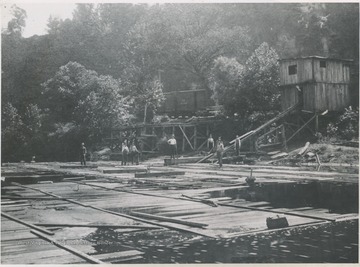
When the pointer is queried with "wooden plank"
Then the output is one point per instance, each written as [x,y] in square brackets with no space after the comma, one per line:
[13,202]
[281,212]
[168,161]
[8,216]
[124,170]
[97,226]
[167,219]
[68,248]
[78,167]
[158,174]
[119,256]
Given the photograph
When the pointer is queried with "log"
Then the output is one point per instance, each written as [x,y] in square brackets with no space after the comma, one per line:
[25,223]
[167,219]
[72,250]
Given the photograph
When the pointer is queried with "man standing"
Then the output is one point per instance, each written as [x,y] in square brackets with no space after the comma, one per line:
[237,145]
[134,153]
[125,153]
[219,150]
[83,154]
[173,147]
[210,143]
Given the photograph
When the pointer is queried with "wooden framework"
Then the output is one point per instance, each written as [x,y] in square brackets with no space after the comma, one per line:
[189,136]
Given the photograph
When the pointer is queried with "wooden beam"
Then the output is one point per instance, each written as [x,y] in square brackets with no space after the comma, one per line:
[120,256]
[279,212]
[97,225]
[302,127]
[157,174]
[307,126]
[193,137]
[125,170]
[78,166]
[8,216]
[167,219]
[187,139]
[72,250]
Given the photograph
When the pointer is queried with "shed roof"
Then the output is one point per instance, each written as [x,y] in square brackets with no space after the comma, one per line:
[317,57]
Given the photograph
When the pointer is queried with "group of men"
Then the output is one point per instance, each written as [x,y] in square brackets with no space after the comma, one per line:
[129,153]
[132,151]
[218,147]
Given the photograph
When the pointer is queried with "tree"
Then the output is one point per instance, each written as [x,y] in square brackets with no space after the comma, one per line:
[16,25]
[92,103]
[12,137]
[249,89]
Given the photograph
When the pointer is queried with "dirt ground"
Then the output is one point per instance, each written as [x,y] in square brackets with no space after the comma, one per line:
[327,153]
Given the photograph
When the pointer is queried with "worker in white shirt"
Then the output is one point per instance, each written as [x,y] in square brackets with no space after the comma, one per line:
[173,146]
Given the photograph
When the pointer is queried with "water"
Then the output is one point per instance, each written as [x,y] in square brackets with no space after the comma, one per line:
[327,243]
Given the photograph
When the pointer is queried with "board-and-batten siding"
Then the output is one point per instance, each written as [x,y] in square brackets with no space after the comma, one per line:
[322,88]
[289,97]
[325,96]
[304,71]
[335,72]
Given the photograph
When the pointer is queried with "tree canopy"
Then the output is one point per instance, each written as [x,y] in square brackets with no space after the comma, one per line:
[111,63]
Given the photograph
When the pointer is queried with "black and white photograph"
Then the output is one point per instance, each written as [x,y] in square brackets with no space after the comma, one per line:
[162,132]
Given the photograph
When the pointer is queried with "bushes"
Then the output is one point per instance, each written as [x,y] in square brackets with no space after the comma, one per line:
[346,126]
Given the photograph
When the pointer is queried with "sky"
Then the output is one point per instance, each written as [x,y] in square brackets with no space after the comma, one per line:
[37,15]
[39,11]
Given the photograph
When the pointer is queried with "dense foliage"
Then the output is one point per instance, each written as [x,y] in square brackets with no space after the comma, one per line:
[111,63]
[346,125]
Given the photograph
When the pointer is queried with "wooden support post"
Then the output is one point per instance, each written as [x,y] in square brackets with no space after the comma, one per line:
[316,123]
[195,137]
[72,250]
[284,137]
[183,141]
